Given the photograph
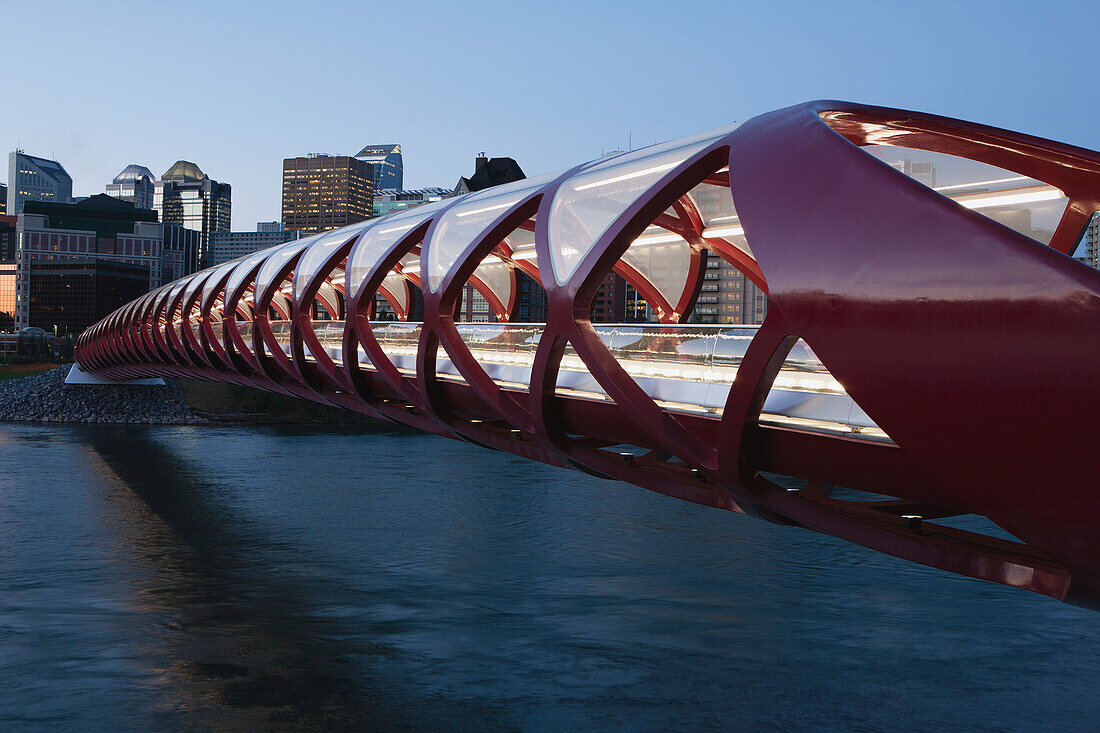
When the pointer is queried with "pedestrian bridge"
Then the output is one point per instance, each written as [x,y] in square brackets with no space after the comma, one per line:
[925,379]
[683,368]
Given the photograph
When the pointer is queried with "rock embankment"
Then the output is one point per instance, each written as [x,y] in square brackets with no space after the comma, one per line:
[44,397]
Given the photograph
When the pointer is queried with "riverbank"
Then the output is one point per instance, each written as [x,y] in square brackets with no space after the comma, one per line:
[44,397]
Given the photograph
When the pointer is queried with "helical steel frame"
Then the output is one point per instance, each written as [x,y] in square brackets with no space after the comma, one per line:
[975,348]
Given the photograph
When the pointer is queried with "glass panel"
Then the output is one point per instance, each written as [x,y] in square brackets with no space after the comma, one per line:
[1030,207]
[714,203]
[663,259]
[281,331]
[685,368]
[460,225]
[495,274]
[585,205]
[805,395]
[241,271]
[245,329]
[195,283]
[401,342]
[321,249]
[395,285]
[212,281]
[378,240]
[277,260]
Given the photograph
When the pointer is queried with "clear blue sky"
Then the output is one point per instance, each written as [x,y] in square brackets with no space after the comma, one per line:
[238,86]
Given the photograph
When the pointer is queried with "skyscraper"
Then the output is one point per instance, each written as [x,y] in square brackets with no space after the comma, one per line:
[389,169]
[135,184]
[189,198]
[36,179]
[322,192]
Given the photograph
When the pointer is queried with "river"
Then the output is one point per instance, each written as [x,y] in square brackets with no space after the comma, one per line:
[180,578]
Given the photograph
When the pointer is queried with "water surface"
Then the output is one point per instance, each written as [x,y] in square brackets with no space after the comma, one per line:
[180,578]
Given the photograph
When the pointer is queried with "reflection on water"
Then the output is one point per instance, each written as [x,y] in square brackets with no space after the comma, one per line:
[288,578]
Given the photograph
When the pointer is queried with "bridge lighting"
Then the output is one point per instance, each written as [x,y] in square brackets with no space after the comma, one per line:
[925,328]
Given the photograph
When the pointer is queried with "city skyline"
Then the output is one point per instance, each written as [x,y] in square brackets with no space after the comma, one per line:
[567,93]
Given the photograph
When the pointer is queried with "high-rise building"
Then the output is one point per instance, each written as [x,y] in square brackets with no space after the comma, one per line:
[225,246]
[727,296]
[389,200]
[181,252]
[322,192]
[135,184]
[36,179]
[62,251]
[3,199]
[389,170]
[531,305]
[7,237]
[186,196]
[609,305]
[1088,251]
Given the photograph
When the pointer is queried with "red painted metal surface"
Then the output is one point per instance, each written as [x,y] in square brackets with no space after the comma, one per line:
[972,346]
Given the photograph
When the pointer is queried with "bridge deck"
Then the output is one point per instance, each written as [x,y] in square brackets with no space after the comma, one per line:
[684,368]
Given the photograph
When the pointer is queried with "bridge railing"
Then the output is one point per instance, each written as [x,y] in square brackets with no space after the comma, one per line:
[682,367]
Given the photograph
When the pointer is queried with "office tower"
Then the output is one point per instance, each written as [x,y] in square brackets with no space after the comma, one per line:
[187,197]
[78,262]
[7,237]
[1088,249]
[135,184]
[3,199]
[225,246]
[389,170]
[322,192]
[181,252]
[36,179]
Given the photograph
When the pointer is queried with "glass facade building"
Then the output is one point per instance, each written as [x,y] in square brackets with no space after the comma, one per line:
[135,184]
[389,169]
[99,229]
[322,192]
[189,198]
[36,179]
[73,294]
[8,285]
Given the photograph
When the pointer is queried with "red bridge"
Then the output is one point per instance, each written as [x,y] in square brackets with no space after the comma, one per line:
[929,344]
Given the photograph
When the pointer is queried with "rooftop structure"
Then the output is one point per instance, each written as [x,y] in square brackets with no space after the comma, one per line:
[389,169]
[135,184]
[187,197]
[36,179]
[322,192]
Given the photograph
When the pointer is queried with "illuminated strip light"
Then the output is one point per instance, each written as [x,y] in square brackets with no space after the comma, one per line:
[731,217]
[628,176]
[1008,199]
[657,239]
[405,228]
[726,231]
[482,210]
[982,183]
